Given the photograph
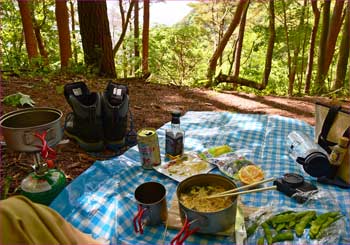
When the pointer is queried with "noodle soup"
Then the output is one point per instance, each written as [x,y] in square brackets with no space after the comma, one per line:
[194,198]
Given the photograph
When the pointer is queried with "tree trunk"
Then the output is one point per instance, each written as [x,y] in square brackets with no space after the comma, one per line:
[61,12]
[294,64]
[125,22]
[334,29]
[29,35]
[75,50]
[136,36]
[268,60]
[321,75]
[289,60]
[310,62]
[240,41]
[239,80]
[96,37]
[233,55]
[145,37]
[221,46]
[41,44]
[271,44]
[343,52]
[305,38]
[37,31]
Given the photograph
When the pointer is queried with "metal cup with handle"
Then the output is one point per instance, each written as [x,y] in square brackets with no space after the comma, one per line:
[152,207]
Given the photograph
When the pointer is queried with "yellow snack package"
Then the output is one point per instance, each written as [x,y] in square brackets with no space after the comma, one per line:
[216,151]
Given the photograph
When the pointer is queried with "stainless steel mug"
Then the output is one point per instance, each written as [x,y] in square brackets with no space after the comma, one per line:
[152,207]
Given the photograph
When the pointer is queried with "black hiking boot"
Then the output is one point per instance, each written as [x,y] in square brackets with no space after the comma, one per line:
[115,103]
[84,124]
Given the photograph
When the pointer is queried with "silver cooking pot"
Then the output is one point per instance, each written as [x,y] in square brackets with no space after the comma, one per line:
[207,222]
[19,127]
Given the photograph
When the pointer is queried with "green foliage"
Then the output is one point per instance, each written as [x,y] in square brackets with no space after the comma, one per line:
[13,47]
[179,54]
[176,54]
[18,99]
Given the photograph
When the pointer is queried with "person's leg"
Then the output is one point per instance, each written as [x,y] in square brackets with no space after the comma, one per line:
[25,222]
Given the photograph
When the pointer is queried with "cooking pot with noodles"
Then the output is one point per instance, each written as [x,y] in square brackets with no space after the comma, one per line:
[206,215]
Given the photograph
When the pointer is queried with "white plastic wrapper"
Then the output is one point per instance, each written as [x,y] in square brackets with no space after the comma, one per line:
[230,163]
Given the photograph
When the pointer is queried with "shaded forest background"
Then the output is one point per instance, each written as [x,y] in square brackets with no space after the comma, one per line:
[283,47]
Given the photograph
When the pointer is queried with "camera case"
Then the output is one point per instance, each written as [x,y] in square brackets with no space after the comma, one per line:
[294,185]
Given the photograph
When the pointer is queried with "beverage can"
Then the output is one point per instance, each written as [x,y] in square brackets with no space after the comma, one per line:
[147,141]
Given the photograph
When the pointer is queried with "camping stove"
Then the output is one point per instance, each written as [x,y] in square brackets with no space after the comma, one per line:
[34,131]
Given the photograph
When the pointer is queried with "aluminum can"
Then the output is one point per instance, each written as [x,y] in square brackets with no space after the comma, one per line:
[147,141]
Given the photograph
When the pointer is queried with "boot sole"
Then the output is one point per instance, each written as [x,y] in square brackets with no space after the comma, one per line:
[115,145]
[87,146]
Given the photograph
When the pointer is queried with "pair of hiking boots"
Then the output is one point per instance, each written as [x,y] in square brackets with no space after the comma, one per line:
[98,120]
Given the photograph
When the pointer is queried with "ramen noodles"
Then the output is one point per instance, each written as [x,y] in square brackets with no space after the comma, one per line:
[195,199]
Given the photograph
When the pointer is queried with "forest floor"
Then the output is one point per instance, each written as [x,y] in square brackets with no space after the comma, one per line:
[150,105]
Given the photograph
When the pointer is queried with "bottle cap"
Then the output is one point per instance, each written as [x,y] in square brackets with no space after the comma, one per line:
[343,142]
[317,164]
[176,113]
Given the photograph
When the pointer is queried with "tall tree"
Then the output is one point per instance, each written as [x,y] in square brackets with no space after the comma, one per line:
[72,16]
[136,35]
[145,37]
[96,37]
[61,12]
[125,22]
[240,41]
[343,52]
[319,82]
[293,60]
[221,46]
[310,62]
[28,29]
[37,29]
[268,59]
[334,29]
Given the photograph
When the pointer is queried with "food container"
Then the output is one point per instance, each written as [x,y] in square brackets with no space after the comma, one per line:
[19,127]
[207,222]
[309,154]
[152,207]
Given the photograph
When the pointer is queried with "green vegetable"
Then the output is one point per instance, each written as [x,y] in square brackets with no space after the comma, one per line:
[280,227]
[319,221]
[291,224]
[282,218]
[326,224]
[255,225]
[260,241]
[267,231]
[305,220]
[252,229]
[283,236]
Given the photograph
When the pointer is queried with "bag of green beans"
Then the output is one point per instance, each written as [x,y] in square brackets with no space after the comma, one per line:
[301,226]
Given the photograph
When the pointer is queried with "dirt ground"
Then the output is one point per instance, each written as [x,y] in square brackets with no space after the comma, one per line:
[150,105]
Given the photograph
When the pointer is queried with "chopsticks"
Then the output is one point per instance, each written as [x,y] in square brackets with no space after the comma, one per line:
[233,192]
[243,192]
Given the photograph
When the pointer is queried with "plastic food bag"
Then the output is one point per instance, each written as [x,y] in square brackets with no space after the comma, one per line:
[228,161]
[312,223]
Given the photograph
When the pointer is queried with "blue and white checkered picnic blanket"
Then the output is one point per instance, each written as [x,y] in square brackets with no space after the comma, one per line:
[101,200]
